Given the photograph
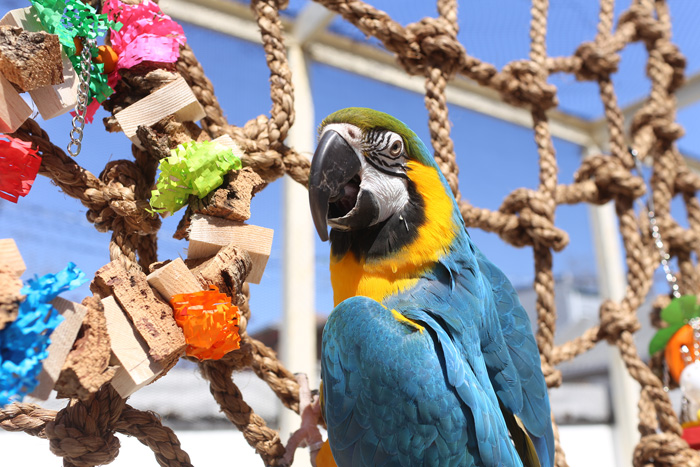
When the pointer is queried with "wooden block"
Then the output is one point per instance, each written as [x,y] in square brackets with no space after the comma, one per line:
[30,60]
[175,98]
[227,141]
[152,317]
[13,110]
[51,101]
[10,257]
[137,368]
[208,234]
[62,340]
[174,278]
[87,367]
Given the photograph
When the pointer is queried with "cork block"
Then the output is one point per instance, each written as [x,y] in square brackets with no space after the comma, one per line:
[62,340]
[10,257]
[129,349]
[55,100]
[30,60]
[87,367]
[175,98]
[209,234]
[150,315]
[172,279]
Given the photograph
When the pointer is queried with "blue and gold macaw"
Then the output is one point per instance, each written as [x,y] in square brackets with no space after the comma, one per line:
[428,357]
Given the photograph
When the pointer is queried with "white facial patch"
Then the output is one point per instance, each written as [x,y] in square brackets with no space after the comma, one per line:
[391,192]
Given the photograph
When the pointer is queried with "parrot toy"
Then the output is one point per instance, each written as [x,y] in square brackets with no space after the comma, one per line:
[428,357]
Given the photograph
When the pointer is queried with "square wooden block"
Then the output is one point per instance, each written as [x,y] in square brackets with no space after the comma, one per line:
[209,234]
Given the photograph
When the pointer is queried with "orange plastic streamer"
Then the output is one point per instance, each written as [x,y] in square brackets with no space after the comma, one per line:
[209,322]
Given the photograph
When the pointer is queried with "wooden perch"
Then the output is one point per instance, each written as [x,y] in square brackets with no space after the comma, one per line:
[208,234]
[50,101]
[10,257]
[13,110]
[11,268]
[172,279]
[62,340]
[87,367]
[175,98]
[136,367]
[30,60]
[150,315]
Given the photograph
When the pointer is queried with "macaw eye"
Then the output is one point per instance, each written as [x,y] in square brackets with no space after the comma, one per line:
[395,148]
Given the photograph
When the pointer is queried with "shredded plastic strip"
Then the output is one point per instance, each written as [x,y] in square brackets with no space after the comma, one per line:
[19,164]
[73,19]
[147,33]
[24,343]
[209,322]
[192,169]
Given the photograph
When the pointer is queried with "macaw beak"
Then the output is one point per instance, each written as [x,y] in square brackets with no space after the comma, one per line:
[333,166]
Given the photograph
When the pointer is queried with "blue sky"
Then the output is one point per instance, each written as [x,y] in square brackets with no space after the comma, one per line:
[494,157]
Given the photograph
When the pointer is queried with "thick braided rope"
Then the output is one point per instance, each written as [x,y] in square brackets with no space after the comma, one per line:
[148,429]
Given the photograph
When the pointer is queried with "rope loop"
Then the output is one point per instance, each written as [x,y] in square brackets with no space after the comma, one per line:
[432,43]
[522,84]
[536,212]
[614,320]
[647,27]
[610,177]
[597,63]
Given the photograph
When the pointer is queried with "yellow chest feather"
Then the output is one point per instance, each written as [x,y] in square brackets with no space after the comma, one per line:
[399,271]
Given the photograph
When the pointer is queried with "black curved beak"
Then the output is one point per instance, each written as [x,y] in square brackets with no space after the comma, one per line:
[334,164]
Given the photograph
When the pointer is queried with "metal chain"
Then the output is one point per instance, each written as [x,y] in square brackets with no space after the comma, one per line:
[656,235]
[76,134]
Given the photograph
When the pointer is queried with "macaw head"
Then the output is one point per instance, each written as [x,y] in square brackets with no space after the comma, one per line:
[375,183]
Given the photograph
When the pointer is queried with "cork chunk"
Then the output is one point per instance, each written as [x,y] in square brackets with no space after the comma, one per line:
[62,340]
[209,234]
[172,279]
[30,60]
[150,315]
[87,367]
[175,98]
[227,270]
[136,367]
[53,100]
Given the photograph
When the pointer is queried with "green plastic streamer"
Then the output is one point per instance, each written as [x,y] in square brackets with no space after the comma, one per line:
[192,169]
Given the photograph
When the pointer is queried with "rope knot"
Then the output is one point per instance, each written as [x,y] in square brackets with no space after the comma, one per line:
[610,177]
[432,43]
[648,28]
[596,62]
[676,61]
[614,321]
[523,84]
[535,213]
[664,450]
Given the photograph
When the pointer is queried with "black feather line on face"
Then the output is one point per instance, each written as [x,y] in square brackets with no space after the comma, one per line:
[375,142]
[384,238]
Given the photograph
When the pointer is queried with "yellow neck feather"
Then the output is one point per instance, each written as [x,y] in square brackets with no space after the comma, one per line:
[383,277]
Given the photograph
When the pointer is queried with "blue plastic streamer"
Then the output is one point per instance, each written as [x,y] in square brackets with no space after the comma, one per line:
[24,342]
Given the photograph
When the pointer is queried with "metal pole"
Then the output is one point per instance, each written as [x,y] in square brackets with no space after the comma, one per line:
[612,284]
[298,332]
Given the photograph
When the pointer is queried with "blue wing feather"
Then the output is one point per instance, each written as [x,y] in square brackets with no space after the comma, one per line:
[424,421]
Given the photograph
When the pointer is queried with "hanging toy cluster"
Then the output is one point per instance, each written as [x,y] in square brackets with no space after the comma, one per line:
[130,333]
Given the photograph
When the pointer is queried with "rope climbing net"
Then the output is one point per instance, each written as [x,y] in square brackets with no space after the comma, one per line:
[117,201]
